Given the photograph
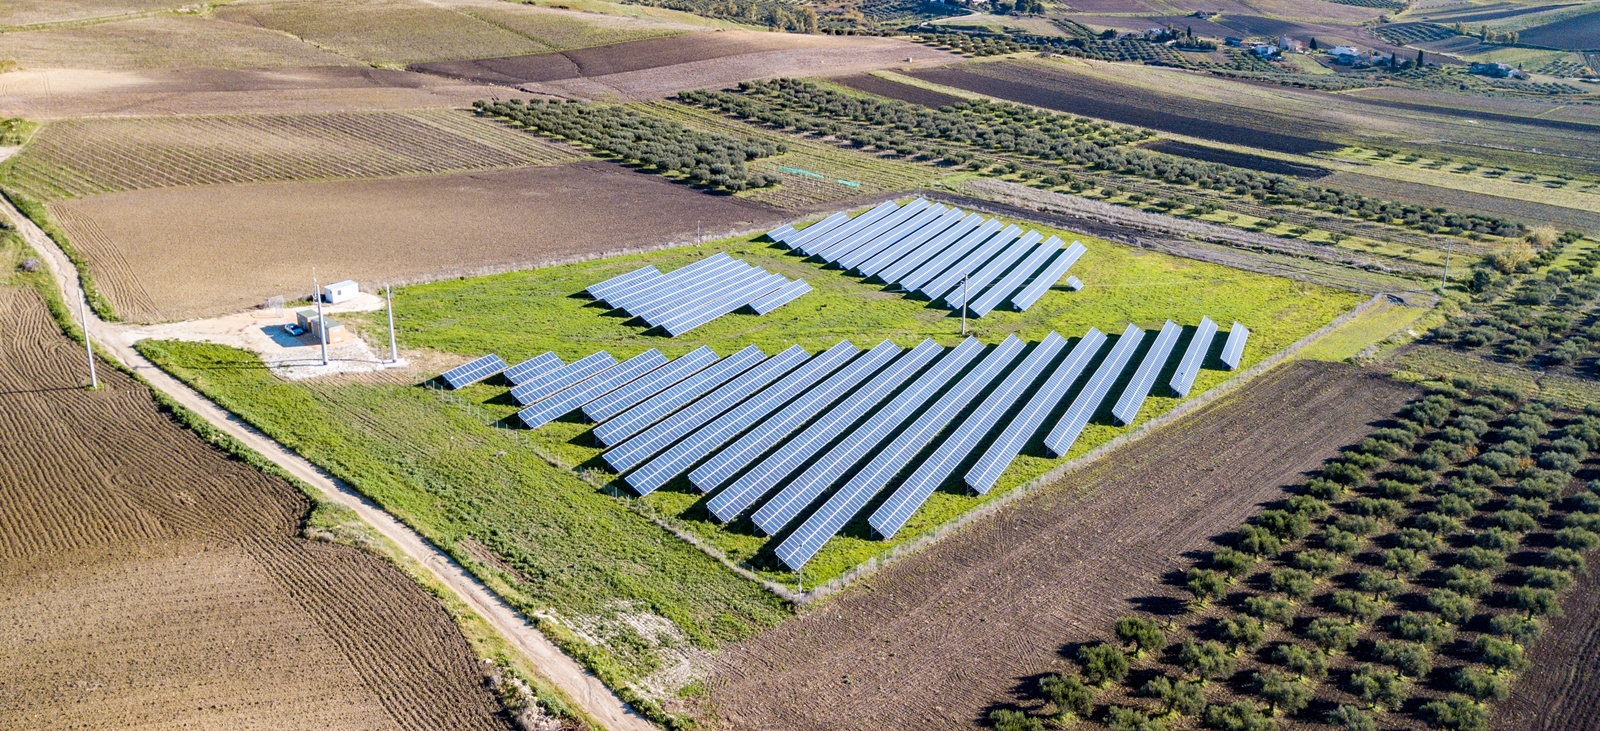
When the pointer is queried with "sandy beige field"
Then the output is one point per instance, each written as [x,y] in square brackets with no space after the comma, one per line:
[234,245]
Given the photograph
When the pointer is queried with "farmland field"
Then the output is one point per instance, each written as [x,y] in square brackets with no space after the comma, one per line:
[147,580]
[84,157]
[1560,691]
[235,245]
[894,90]
[25,12]
[1581,33]
[161,42]
[1527,212]
[936,639]
[382,32]
[1239,159]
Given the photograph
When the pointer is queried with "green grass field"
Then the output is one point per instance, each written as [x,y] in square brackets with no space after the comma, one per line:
[571,547]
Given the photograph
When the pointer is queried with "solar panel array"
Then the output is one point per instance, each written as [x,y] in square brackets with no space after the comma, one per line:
[694,295]
[533,368]
[928,249]
[470,373]
[804,444]
[1234,349]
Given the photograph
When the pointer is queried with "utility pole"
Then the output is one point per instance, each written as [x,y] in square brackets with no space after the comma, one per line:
[963,306]
[1445,282]
[388,296]
[88,347]
[322,325]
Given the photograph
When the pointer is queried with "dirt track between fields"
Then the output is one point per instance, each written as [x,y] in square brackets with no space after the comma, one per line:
[937,639]
[584,689]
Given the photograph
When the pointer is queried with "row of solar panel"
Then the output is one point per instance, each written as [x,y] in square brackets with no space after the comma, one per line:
[750,421]
[696,294]
[941,253]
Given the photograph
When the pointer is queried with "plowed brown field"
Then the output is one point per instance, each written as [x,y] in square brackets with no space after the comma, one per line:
[204,250]
[148,581]
[935,640]
[1562,689]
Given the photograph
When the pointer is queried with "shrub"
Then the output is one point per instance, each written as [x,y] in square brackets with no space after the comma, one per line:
[1359,525]
[1378,584]
[1258,540]
[1441,524]
[1103,663]
[1069,693]
[1500,462]
[1141,634]
[1344,473]
[1378,688]
[1309,506]
[1578,539]
[1242,631]
[1285,525]
[1008,719]
[1307,664]
[1502,655]
[1585,502]
[1411,659]
[1239,716]
[1521,630]
[1380,508]
[1341,541]
[1270,609]
[1317,563]
[1186,697]
[1294,582]
[1497,539]
[1419,540]
[1119,718]
[1205,660]
[1548,578]
[1232,562]
[1456,712]
[1536,602]
[1466,582]
[1514,521]
[1450,606]
[1351,718]
[1481,684]
[1356,606]
[1331,634]
[1564,558]
[1478,557]
[1324,488]
[1403,561]
[1282,691]
[1422,628]
[1453,506]
[1206,584]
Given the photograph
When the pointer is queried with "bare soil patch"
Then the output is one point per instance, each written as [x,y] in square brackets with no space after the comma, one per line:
[1528,212]
[149,581]
[904,92]
[1239,159]
[1081,94]
[1562,689]
[1573,34]
[62,93]
[206,250]
[383,31]
[657,67]
[937,639]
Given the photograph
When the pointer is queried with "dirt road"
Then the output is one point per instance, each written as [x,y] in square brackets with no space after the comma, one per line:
[586,690]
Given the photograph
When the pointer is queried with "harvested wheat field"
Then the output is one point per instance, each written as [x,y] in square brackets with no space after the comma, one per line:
[933,640]
[83,157]
[148,581]
[658,67]
[46,94]
[177,253]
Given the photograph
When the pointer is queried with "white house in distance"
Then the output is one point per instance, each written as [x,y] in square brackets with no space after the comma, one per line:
[340,292]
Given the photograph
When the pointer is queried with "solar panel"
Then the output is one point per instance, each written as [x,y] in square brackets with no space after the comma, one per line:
[467,374]
[950,280]
[1233,350]
[890,517]
[681,456]
[1008,284]
[546,385]
[1009,444]
[692,294]
[729,461]
[638,448]
[636,293]
[948,224]
[1193,357]
[533,368]
[814,438]
[931,216]
[828,468]
[780,297]
[1066,432]
[816,229]
[1074,283]
[648,385]
[858,223]
[1048,277]
[1144,378]
[1001,263]
[730,301]
[891,265]
[780,233]
[598,291]
[655,408]
[906,224]
[589,389]
[840,243]
[943,260]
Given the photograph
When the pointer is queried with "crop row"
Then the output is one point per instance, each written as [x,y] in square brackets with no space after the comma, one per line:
[1409,577]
